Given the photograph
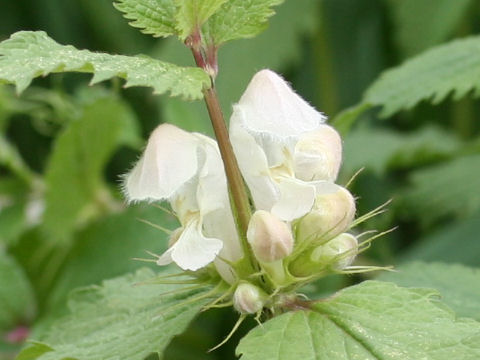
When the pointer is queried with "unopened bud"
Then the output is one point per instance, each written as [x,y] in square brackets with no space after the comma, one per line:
[331,215]
[269,237]
[338,253]
[248,298]
[318,155]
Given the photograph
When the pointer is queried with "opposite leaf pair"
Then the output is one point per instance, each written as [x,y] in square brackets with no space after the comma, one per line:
[289,159]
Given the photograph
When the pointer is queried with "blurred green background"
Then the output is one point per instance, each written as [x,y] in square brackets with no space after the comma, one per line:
[64,146]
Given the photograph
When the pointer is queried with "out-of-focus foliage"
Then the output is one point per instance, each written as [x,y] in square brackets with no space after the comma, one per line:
[63,146]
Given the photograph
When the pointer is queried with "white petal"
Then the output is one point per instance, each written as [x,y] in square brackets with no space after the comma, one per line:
[253,164]
[214,202]
[192,250]
[297,198]
[318,154]
[272,108]
[168,162]
[212,190]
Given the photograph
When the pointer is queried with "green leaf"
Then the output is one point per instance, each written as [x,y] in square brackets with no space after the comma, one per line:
[373,320]
[12,160]
[447,189]
[451,68]
[108,248]
[192,14]
[27,55]
[398,149]
[34,351]
[154,17]
[414,34]
[123,320]
[458,284]
[454,243]
[238,19]
[345,120]
[17,301]
[278,48]
[74,175]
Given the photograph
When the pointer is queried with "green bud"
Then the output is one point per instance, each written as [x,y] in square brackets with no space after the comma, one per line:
[331,215]
[248,298]
[338,253]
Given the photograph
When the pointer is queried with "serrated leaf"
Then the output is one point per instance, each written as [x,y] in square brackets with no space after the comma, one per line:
[28,54]
[121,320]
[277,48]
[373,320]
[74,176]
[454,243]
[239,19]
[192,14]
[153,17]
[414,34]
[17,301]
[447,189]
[457,284]
[453,68]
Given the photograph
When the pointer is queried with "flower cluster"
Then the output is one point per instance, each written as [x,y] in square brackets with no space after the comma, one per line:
[289,159]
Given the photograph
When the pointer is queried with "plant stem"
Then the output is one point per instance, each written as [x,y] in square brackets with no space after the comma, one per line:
[234,177]
[238,190]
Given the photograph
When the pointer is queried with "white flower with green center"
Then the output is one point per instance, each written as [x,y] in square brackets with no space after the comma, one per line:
[285,151]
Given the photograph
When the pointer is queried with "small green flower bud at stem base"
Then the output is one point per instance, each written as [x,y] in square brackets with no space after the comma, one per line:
[331,215]
[269,237]
[249,299]
[338,253]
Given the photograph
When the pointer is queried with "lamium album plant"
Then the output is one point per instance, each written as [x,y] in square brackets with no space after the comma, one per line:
[255,219]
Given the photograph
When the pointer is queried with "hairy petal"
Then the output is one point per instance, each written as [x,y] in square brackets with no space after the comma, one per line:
[168,162]
[271,108]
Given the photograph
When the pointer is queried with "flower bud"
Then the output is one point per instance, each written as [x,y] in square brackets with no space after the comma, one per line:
[248,298]
[338,253]
[331,215]
[270,238]
[318,155]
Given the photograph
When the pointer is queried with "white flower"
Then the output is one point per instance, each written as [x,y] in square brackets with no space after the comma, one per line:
[285,151]
[186,169]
